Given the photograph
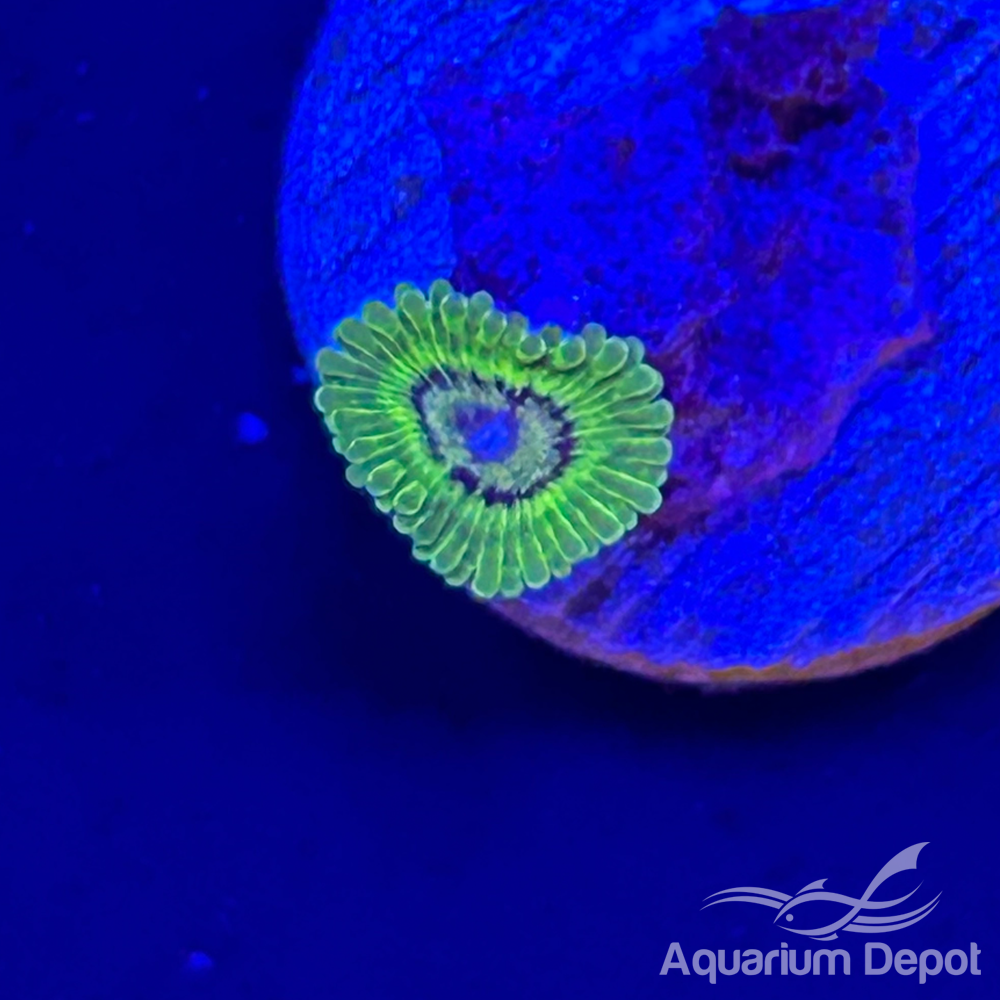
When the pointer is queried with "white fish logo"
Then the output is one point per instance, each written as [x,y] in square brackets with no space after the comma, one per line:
[853,919]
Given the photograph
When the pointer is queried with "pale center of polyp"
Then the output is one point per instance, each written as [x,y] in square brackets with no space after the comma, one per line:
[503,442]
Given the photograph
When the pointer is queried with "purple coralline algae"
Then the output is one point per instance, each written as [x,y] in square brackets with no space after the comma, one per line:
[750,220]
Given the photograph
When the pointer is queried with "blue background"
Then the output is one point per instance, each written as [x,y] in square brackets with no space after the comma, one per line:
[236,719]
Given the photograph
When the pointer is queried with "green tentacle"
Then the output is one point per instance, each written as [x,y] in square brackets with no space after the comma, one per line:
[507,455]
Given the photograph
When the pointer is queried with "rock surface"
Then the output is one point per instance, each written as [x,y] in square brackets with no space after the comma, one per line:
[796,210]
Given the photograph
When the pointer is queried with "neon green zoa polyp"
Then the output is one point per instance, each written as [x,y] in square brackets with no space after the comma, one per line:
[506,455]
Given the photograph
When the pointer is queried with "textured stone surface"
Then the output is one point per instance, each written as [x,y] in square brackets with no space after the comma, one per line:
[750,220]
[797,212]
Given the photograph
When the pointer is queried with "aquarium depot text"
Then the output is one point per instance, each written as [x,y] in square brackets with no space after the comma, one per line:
[878,960]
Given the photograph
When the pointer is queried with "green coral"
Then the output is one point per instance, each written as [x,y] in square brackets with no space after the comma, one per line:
[506,455]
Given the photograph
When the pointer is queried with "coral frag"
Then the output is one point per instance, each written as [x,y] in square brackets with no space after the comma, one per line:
[507,455]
